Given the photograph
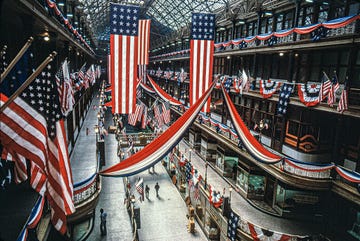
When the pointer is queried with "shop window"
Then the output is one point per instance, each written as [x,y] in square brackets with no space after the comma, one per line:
[242,179]
[250,29]
[269,25]
[288,20]
[263,25]
[256,185]
[279,22]
[354,8]
[339,11]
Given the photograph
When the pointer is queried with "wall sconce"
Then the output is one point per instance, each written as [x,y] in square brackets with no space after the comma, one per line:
[281,54]
[228,57]
[241,22]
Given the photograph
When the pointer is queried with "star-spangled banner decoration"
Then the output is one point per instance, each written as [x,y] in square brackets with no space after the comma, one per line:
[284,98]
[232,225]
[124,20]
[203,26]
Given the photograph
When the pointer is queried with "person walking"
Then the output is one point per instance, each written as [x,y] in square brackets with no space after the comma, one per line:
[147,190]
[157,187]
[103,222]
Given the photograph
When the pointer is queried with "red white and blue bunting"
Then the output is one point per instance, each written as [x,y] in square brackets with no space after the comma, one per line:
[258,234]
[54,6]
[257,150]
[268,87]
[215,197]
[147,88]
[163,95]
[34,218]
[156,150]
[331,24]
[309,94]
[310,167]
[348,175]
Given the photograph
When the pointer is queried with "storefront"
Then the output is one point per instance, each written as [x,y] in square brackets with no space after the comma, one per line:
[292,202]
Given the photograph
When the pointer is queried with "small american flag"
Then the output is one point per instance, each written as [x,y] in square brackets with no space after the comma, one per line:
[144,118]
[158,115]
[140,188]
[188,169]
[166,112]
[232,225]
[343,102]
[325,86]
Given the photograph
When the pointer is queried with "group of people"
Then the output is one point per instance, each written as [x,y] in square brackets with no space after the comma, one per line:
[147,190]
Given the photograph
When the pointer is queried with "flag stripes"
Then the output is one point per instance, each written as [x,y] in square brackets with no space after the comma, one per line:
[201,56]
[201,62]
[343,102]
[123,64]
[144,42]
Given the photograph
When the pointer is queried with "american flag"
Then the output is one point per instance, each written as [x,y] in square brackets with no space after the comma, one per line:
[144,43]
[335,83]
[32,127]
[284,98]
[64,87]
[140,188]
[158,115]
[201,56]
[142,105]
[18,74]
[188,171]
[159,72]
[90,75]
[124,54]
[196,192]
[232,225]
[4,60]
[183,75]
[20,167]
[343,102]
[144,118]
[133,117]
[81,73]
[166,112]
[325,86]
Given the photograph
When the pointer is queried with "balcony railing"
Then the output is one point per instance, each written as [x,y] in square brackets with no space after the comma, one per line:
[86,189]
[281,166]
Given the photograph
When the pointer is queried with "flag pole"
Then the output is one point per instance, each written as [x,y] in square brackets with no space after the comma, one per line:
[28,81]
[16,59]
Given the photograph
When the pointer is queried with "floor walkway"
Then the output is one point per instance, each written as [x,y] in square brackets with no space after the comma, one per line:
[83,164]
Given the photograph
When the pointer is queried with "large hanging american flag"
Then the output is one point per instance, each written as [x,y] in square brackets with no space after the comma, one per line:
[143,51]
[32,126]
[124,56]
[201,56]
